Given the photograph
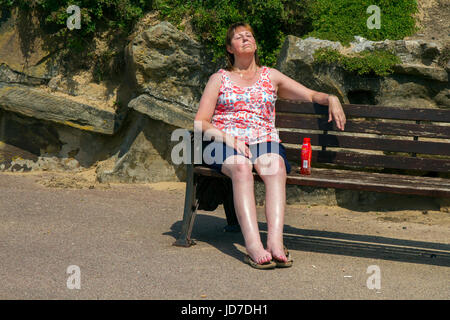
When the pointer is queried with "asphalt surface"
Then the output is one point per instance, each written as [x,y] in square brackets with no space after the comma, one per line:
[120,240]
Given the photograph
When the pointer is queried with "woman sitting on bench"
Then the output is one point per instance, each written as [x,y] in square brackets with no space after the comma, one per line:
[237,111]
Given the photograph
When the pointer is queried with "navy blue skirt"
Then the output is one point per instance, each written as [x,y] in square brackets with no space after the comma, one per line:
[215,162]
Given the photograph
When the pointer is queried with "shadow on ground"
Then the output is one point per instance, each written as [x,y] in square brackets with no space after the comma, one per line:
[209,229]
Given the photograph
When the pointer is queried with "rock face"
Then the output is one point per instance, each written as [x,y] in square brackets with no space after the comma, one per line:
[26,49]
[143,153]
[40,105]
[164,110]
[44,126]
[50,118]
[28,143]
[420,80]
[170,71]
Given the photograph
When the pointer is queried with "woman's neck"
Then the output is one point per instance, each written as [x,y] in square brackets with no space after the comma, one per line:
[245,64]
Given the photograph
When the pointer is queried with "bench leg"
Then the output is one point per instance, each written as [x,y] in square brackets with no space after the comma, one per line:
[190,208]
[228,206]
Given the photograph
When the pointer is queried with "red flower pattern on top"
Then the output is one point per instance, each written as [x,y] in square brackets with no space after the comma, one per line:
[247,113]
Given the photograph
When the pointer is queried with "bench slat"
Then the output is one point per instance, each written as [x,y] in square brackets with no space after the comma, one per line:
[379,182]
[363,126]
[354,159]
[344,179]
[368,111]
[328,140]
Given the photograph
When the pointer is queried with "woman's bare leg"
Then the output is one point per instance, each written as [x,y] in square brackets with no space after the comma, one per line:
[272,170]
[239,169]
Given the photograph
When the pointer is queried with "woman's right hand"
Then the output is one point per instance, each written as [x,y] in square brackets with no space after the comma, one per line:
[239,145]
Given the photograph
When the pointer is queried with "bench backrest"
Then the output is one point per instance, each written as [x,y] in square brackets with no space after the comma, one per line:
[374,136]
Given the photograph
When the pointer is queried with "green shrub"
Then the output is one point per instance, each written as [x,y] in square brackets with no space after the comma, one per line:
[341,20]
[114,14]
[377,62]
[271,20]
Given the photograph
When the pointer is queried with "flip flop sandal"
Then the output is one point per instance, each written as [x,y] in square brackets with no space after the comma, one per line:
[283,264]
[263,266]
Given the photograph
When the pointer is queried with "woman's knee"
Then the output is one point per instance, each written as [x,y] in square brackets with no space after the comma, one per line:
[238,167]
[271,165]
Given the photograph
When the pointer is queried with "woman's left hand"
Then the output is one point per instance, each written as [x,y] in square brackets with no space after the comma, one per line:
[336,112]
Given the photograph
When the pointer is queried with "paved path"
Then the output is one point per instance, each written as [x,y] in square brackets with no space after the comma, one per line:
[121,240]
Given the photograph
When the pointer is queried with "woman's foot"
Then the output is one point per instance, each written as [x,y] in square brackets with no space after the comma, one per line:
[258,254]
[282,259]
[277,251]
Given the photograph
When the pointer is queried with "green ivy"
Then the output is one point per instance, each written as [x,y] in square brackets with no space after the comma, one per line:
[378,62]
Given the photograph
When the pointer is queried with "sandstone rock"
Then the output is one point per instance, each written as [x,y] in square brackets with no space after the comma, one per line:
[171,69]
[144,153]
[397,92]
[307,47]
[33,144]
[296,61]
[11,76]
[53,164]
[419,57]
[82,85]
[415,82]
[361,44]
[41,105]
[26,49]
[167,111]
[420,70]
[139,152]
[443,97]
[12,158]
[27,134]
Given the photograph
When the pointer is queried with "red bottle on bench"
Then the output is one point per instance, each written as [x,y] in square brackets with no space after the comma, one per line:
[306,156]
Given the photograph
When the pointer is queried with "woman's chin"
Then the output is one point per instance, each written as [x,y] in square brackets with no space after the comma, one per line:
[247,51]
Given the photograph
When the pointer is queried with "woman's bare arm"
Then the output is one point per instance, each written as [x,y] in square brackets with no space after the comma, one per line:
[202,121]
[290,89]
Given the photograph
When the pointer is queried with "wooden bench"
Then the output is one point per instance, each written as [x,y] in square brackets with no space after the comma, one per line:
[383,149]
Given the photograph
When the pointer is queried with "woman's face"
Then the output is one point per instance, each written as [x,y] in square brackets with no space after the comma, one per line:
[242,42]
